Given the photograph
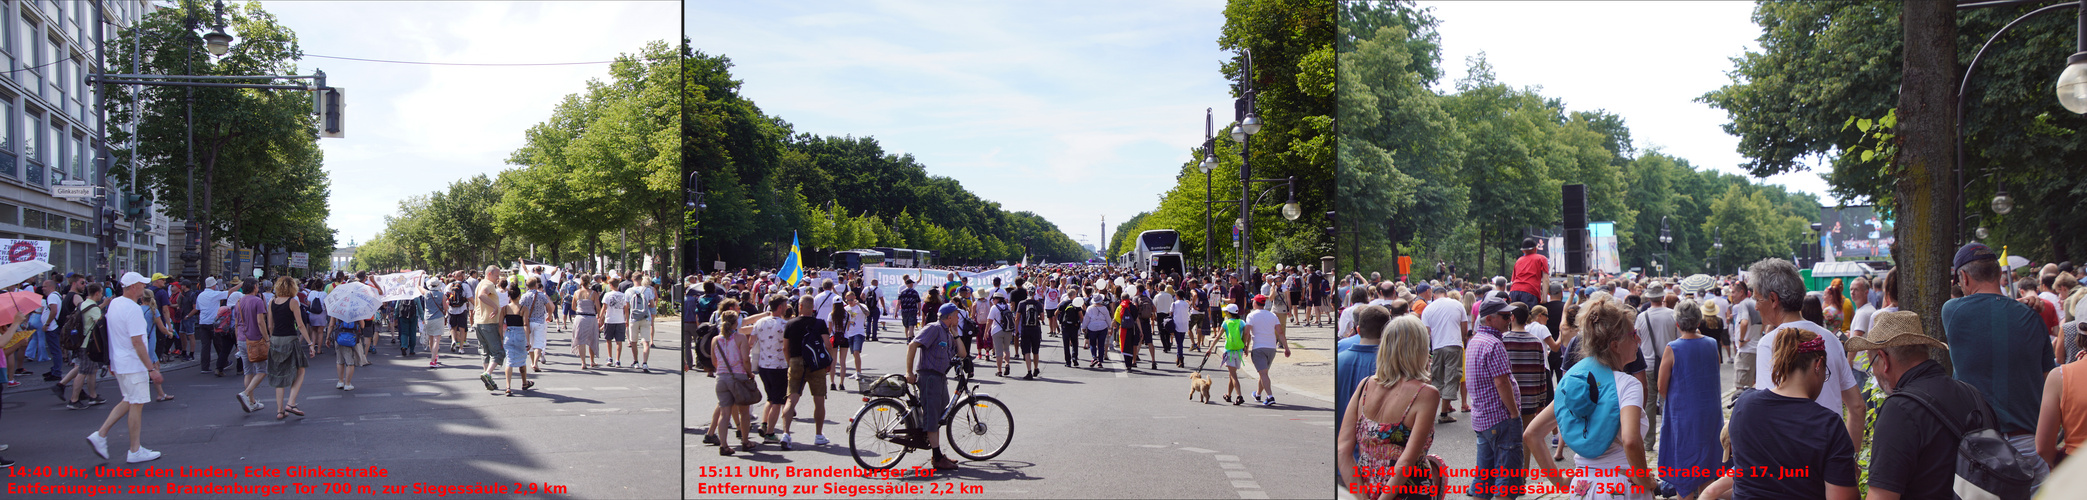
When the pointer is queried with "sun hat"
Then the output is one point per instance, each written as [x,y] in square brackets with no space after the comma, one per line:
[1893,329]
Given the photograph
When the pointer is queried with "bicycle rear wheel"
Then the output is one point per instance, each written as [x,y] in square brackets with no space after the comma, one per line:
[869,433]
[979,427]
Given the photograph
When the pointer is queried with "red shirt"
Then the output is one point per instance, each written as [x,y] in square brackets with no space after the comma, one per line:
[1529,273]
[2049,315]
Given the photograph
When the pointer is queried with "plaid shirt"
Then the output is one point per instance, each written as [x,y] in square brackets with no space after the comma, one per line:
[1485,357]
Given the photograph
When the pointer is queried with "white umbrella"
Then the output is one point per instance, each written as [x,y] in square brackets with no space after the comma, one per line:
[15,273]
[353,301]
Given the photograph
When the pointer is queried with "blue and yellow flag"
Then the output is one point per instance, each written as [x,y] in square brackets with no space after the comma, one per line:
[793,270]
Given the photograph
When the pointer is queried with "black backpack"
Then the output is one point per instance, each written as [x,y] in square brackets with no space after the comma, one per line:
[1987,465]
[1032,314]
[77,337]
[456,295]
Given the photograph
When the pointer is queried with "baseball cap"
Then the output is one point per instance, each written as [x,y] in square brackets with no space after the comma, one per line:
[1529,243]
[1494,305]
[947,309]
[1260,298]
[1231,308]
[158,276]
[1972,252]
[133,278]
[1422,288]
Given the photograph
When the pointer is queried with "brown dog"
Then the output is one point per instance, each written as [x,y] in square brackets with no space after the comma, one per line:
[1198,384]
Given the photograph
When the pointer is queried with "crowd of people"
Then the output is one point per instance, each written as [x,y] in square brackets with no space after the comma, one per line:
[770,342]
[270,330]
[1611,369]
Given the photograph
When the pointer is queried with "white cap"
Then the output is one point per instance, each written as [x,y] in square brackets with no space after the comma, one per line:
[133,278]
[1232,308]
[209,282]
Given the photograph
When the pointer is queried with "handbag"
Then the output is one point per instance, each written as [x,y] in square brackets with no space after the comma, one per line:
[741,385]
[257,350]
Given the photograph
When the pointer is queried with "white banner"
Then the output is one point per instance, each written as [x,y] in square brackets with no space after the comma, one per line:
[401,286]
[25,250]
[984,279]
[891,279]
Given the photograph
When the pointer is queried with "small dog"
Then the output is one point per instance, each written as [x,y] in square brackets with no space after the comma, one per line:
[1198,384]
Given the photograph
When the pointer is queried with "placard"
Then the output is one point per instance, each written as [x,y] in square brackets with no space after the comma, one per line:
[26,250]
[401,286]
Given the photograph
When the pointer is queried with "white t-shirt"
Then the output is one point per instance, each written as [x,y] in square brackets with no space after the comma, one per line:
[858,317]
[1724,309]
[1263,324]
[1445,319]
[1542,333]
[52,305]
[612,307]
[1744,311]
[1051,298]
[1344,326]
[1163,301]
[1629,392]
[823,305]
[206,306]
[769,346]
[2053,299]
[126,320]
[1839,376]
[1862,320]
[1181,315]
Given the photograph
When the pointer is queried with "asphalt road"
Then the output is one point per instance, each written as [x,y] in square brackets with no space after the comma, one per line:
[1078,433]
[605,433]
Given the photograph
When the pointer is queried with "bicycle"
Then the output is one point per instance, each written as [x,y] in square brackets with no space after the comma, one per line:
[977,426]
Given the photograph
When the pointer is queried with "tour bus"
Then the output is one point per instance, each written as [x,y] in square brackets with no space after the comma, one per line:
[1158,251]
[904,257]
[857,259]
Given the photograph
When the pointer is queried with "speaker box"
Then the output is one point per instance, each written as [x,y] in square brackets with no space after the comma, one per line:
[1576,250]
[1575,209]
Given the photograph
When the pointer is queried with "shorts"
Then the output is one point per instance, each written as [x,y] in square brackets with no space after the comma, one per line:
[348,356]
[249,366]
[1032,340]
[841,343]
[1196,321]
[1231,359]
[852,343]
[772,380]
[798,378]
[641,330]
[1446,370]
[910,318]
[516,342]
[1263,356]
[614,332]
[458,321]
[1002,342]
[730,390]
[137,387]
[1723,338]
[490,343]
[537,338]
[1743,369]
[934,399]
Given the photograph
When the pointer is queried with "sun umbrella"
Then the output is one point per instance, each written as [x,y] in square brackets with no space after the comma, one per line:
[353,301]
[15,273]
[17,303]
[1697,283]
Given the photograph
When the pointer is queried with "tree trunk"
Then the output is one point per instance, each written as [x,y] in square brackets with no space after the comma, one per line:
[1927,194]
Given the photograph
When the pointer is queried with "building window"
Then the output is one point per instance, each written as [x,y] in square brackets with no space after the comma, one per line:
[79,227]
[54,222]
[9,213]
[32,218]
[79,157]
[59,251]
[30,49]
[78,257]
[7,119]
[53,151]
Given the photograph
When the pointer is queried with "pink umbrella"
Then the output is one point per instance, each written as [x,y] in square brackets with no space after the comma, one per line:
[17,303]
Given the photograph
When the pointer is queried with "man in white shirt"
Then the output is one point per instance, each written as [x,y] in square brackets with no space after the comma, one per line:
[1860,293]
[1782,293]
[615,318]
[1163,316]
[824,304]
[134,366]
[643,300]
[1447,321]
[1268,334]
[207,338]
[53,303]
[1746,330]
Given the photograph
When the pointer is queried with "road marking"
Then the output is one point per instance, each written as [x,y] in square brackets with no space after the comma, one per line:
[420,393]
[331,396]
[1245,484]
[373,395]
[1227,458]
[1253,494]
[1199,450]
[258,424]
[392,416]
[1232,465]
[1238,474]
[612,388]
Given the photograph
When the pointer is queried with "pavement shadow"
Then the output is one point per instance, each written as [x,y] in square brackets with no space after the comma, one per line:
[990,470]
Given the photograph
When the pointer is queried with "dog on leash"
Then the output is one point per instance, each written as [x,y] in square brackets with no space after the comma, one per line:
[1198,384]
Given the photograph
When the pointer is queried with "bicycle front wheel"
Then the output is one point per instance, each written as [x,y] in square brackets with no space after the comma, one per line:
[979,427]
[870,431]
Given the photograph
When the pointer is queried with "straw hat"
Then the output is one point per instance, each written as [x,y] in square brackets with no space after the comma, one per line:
[1893,329]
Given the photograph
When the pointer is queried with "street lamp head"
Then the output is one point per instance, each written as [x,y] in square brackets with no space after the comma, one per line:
[1981,232]
[1252,125]
[2002,203]
[1291,211]
[1238,132]
[218,42]
[1209,163]
[2072,84]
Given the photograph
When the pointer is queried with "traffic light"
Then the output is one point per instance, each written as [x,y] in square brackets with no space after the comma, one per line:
[134,207]
[109,231]
[1333,226]
[331,102]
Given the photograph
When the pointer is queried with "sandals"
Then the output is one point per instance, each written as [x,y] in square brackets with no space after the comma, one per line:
[294,410]
[279,415]
[165,397]
[1444,419]
[527,385]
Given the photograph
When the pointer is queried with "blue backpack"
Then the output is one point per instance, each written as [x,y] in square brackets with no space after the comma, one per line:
[346,337]
[1587,407]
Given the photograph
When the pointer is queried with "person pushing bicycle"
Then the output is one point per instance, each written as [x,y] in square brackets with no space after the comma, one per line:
[926,371]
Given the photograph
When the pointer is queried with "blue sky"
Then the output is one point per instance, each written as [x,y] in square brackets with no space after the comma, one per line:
[414,129]
[1644,61]
[1071,110]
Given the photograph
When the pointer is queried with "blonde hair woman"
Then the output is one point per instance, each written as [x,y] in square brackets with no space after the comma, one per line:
[1599,408]
[1390,422]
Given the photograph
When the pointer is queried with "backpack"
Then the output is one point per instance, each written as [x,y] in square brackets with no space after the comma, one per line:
[312,307]
[1032,314]
[1005,313]
[76,337]
[814,350]
[346,337]
[1987,466]
[704,332]
[98,349]
[456,295]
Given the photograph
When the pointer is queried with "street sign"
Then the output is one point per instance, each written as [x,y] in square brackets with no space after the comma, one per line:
[73,191]
[72,182]
[298,260]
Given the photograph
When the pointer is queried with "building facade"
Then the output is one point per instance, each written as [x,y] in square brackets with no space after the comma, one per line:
[47,133]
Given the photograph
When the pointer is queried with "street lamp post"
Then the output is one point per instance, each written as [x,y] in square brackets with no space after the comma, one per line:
[1208,163]
[2071,90]
[1717,263]
[695,202]
[1666,242]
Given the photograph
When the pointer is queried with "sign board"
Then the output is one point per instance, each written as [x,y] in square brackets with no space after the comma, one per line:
[72,182]
[25,250]
[401,286]
[300,260]
[72,191]
[720,265]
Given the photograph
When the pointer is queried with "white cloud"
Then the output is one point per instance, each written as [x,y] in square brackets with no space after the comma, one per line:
[413,129]
[1070,110]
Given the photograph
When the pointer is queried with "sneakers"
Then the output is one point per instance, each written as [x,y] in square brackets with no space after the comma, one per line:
[488,379]
[348,387]
[820,440]
[786,441]
[338,384]
[95,401]
[245,403]
[76,405]
[99,443]
[142,455]
[1270,401]
[59,391]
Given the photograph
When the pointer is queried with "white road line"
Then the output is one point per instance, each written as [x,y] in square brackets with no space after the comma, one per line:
[330,396]
[1232,466]
[1199,450]
[1238,474]
[1245,484]
[1253,494]
[373,395]
[1227,458]
[612,388]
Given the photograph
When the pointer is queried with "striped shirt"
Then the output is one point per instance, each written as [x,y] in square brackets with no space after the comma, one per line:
[1525,357]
